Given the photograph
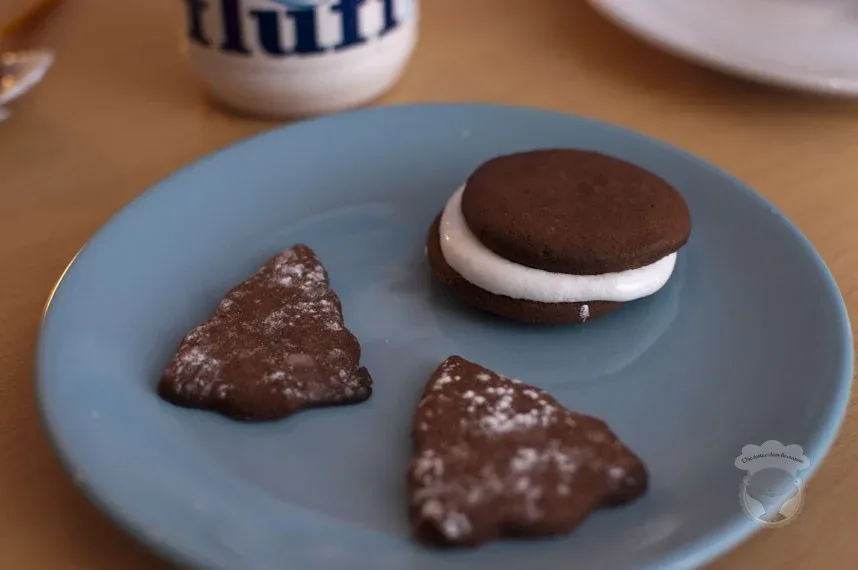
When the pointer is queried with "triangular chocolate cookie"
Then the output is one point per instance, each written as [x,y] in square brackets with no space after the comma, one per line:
[496,458]
[275,345]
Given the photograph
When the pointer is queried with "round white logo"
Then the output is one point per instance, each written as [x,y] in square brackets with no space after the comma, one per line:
[772,493]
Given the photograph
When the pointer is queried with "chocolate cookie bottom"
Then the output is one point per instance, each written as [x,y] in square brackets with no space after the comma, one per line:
[520,310]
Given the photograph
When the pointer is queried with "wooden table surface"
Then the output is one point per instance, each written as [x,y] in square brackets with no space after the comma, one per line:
[118,112]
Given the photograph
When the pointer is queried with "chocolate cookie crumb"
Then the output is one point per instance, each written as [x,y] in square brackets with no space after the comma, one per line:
[275,345]
[496,458]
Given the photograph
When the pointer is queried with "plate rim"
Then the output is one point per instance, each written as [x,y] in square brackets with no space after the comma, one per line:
[804,81]
[703,551]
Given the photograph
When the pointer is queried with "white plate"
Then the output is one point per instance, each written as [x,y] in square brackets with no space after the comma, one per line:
[803,44]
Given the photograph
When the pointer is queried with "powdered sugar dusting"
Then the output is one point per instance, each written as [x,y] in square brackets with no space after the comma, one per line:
[439,384]
[452,524]
[200,364]
[455,525]
[290,271]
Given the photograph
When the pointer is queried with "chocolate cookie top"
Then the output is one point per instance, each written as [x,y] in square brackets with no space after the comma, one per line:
[574,211]
[276,344]
[497,458]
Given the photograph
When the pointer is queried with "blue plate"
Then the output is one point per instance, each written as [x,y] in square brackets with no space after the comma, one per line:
[749,342]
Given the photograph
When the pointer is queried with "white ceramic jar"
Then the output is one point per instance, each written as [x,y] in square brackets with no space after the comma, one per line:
[291,58]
